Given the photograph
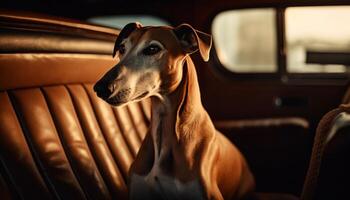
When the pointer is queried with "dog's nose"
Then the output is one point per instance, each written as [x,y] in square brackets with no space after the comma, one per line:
[102,90]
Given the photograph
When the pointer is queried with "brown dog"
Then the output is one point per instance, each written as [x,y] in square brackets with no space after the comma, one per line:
[182,156]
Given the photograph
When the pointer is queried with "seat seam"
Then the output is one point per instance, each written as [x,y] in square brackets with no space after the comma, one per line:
[87,142]
[132,119]
[102,132]
[99,128]
[5,173]
[144,114]
[63,144]
[128,144]
[34,153]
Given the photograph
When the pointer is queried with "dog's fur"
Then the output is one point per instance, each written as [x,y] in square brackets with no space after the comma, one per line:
[182,156]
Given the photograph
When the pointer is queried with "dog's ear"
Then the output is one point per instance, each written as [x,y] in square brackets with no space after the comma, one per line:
[192,40]
[124,33]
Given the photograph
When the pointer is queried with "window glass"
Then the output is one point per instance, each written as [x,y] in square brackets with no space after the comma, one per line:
[318,39]
[122,20]
[245,40]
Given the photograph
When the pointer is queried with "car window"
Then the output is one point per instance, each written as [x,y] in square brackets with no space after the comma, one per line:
[245,40]
[317,39]
[120,21]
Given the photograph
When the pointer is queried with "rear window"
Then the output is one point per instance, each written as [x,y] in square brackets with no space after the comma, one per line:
[245,40]
[119,21]
[317,39]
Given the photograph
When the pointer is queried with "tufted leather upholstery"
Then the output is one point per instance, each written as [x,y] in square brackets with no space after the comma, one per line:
[65,141]
[58,140]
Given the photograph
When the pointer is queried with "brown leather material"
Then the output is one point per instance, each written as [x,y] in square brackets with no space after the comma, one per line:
[16,155]
[40,130]
[96,141]
[28,33]
[74,142]
[33,21]
[79,150]
[29,42]
[4,189]
[133,140]
[33,70]
[112,132]
[93,144]
[138,120]
[146,111]
[58,140]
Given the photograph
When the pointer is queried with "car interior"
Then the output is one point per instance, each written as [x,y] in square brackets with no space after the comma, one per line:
[276,85]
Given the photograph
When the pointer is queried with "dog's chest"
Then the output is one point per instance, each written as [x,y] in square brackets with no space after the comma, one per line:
[156,185]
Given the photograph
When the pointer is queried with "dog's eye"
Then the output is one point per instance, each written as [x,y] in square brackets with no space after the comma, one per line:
[151,50]
[122,49]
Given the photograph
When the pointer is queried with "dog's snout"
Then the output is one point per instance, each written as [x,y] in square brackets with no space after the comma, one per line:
[102,89]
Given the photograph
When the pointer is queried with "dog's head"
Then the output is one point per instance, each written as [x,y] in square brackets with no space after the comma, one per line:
[151,60]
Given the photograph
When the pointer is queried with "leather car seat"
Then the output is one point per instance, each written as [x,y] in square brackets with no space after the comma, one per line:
[58,140]
[328,174]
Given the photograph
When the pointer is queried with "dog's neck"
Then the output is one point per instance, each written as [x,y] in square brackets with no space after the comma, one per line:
[176,115]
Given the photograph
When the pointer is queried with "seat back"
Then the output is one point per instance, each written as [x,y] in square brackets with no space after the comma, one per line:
[328,174]
[57,139]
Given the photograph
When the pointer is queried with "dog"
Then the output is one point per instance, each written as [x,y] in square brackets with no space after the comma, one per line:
[183,156]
